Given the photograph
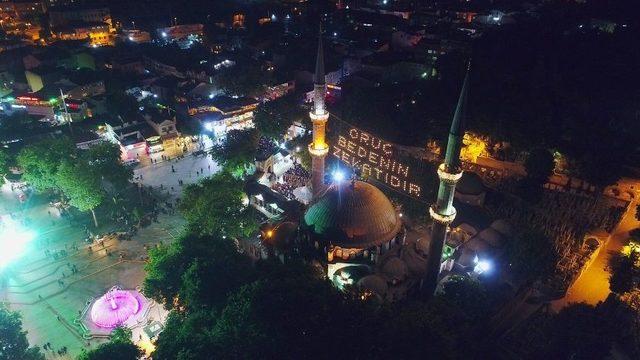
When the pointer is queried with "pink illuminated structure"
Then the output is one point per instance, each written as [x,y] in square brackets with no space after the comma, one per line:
[114,308]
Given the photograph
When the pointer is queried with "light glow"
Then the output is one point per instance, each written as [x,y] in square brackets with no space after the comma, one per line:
[14,239]
[482,266]
[338,176]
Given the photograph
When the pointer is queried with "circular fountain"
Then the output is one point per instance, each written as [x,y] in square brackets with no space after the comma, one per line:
[114,308]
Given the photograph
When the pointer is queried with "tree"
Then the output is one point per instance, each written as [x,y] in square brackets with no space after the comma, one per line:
[638,212]
[469,296]
[281,317]
[81,186]
[273,118]
[196,271]
[13,340]
[122,104]
[186,336]
[242,80]
[214,206]
[40,162]
[4,161]
[302,143]
[238,150]
[104,159]
[119,347]
[531,254]
[578,331]
[539,165]
[623,271]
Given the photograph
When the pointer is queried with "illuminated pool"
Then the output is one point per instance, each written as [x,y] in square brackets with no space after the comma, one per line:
[114,308]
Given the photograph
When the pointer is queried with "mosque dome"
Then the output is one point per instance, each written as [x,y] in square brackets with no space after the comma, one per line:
[353,215]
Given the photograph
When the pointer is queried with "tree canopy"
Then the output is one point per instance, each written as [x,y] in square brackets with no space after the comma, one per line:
[104,159]
[56,164]
[4,161]
[40,162]
[531,254]
[195,271]
[80,185]
[119,347]
[242,79]
[539,165]
[238,150]
[13,340]
[288,311]
[273,118]
[214,206]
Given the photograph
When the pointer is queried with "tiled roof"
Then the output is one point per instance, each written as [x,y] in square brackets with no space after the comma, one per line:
[354,215]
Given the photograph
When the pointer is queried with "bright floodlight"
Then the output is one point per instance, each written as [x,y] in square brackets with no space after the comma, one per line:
[482,266]
[13,240]
[164,34]
[338,175]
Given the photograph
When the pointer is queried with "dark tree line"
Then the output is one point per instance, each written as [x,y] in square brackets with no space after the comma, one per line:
[223,306]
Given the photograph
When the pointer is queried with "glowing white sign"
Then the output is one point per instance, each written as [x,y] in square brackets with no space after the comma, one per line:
[375,158]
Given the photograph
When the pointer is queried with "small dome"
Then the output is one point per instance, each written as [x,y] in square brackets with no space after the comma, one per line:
[478,245]
[415,259]
[395,269]
[470,184]
[503,227]
[491,237]
[354,215]
[375,284]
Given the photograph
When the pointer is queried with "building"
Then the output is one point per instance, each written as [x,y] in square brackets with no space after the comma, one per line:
[23,10]
[131,136]
[180,32]
[128,63]
[136,36]
[96,33]
[356,223]
[164,125]
[59,16]
[223,113]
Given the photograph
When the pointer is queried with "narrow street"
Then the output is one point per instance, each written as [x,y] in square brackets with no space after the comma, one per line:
[593,285]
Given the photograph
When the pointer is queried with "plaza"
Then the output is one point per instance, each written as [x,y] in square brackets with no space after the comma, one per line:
[60,272]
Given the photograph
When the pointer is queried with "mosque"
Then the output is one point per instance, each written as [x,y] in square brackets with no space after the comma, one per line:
[352,228]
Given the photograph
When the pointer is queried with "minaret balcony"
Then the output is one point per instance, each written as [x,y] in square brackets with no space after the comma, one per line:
[442,218]
[322,150]
[323,117]
[450,177]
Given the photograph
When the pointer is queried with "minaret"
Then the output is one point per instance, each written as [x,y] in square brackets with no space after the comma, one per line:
[319,116]
[442,212]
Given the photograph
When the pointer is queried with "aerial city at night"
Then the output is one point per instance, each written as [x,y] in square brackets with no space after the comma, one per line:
[319,179]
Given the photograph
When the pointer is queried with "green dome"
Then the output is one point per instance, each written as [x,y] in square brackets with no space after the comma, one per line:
[353,215]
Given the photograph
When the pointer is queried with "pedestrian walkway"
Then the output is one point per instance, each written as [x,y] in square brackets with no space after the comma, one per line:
[593,285]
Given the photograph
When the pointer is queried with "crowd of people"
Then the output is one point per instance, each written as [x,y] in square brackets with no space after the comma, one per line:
[293,178]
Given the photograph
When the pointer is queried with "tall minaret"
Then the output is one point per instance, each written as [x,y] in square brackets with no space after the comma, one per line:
[319,116]
[442,212]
